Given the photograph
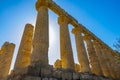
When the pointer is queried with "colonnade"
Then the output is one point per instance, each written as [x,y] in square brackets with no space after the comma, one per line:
[94,56]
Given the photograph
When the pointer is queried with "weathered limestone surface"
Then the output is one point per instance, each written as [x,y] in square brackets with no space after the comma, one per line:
[39,68]
[101,58]
[77,68]
[108,59]
[106,70]
[24,52]
[115,64]
[52,74]
[111,64]
[41,38]
[65,45]
[81,51]
[58,64]
[95,66]
[6,58]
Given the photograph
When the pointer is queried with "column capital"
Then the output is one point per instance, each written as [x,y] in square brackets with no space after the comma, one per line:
[41,36]
[41,3]
[77,30]
[24,51]
[62,19]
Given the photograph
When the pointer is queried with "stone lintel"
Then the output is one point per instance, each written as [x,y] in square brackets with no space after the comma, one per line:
[41,38]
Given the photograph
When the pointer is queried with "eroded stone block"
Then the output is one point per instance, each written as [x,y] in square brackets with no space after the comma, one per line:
[46,72]
[66,75]
[76,76]
[45,79]
[32,78]
[57,74]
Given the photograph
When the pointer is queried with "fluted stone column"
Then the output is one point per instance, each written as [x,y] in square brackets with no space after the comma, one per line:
[95,65]
[41,38]
[101,58]
[111,66]
[108,59]
[81,51]
[65,45]
[106,71]
[112,63]
[5,61]
[24,52]
[115,64]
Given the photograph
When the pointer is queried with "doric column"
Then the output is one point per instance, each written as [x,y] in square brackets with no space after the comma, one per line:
[81,51]
[5,61]
[115,64]
[0,52]
[106,70]
[95,66]
[109,63]
[41,37]
[65,45]
[101,58]
[24,52]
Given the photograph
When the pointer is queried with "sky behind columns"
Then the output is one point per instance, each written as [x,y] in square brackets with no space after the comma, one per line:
[102,17]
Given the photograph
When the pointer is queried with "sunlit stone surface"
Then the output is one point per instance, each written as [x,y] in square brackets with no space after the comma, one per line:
[81,51]
[6,55]
[24,52]
[96,59]
[95,66]
[41,38]
[65,45]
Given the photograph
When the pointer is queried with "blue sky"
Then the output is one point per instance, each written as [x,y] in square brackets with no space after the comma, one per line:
[102,17]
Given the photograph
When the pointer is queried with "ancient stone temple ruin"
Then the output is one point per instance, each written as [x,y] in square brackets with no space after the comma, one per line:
[96,59]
